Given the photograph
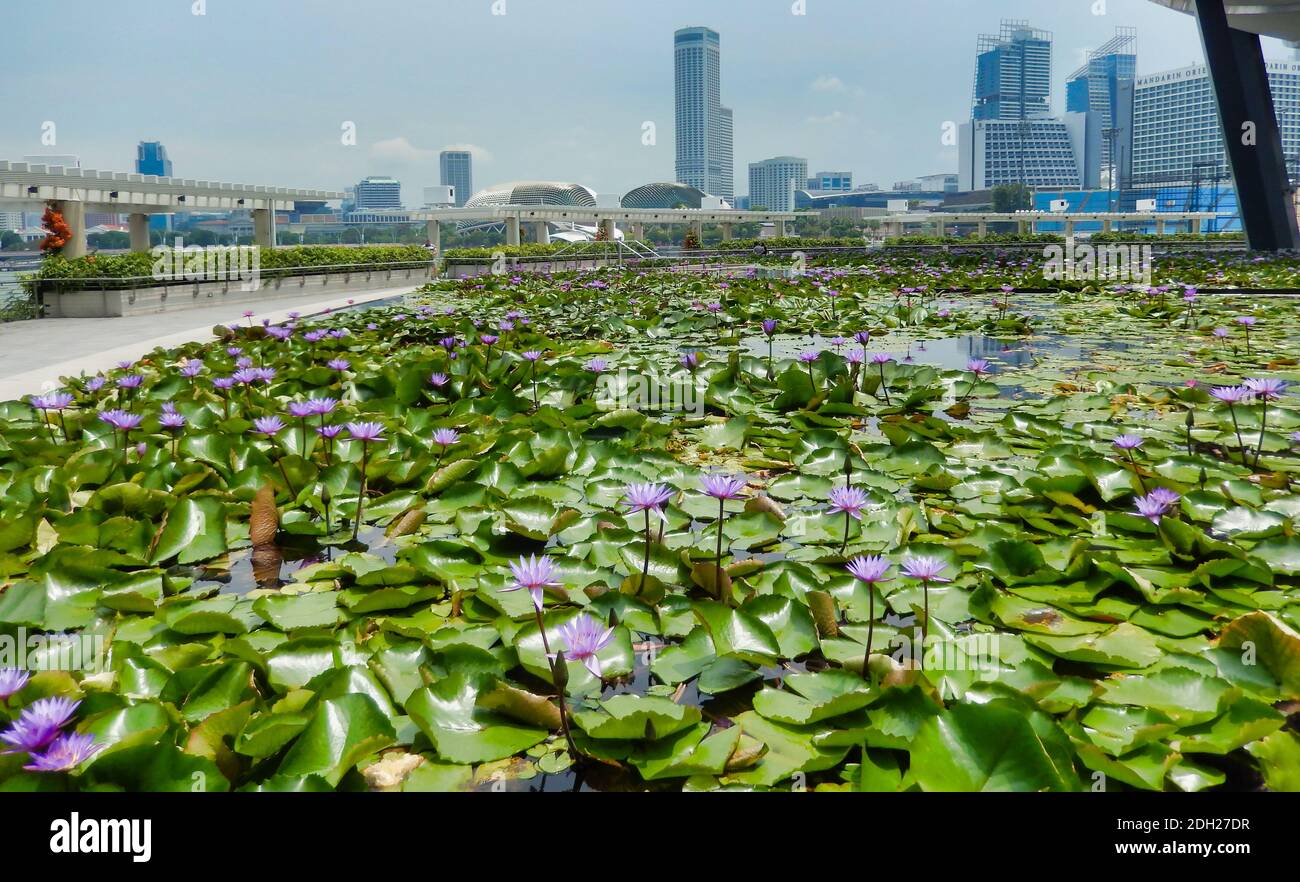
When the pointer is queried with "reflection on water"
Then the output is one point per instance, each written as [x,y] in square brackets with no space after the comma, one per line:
[273,566]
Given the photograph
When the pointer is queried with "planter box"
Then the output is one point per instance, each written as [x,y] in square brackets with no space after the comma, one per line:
[197,295]
[469,269]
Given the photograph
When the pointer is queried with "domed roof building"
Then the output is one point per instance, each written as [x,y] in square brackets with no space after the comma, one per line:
[533,193]
[664,195]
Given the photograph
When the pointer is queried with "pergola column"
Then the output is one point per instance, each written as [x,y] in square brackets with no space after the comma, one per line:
[1160,226]
[139,225]
[1069,227]
[608,230]
[433,232]
[263,228]
[982,228]
[726,232]
[1236,64]
[74,215]
[1107,225]
[638,232]
[541,233]
[512,230]
[780,229]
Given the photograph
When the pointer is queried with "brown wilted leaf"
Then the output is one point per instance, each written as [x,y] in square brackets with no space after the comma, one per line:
[822,606]
[523,706]
[406,523]
[391,771]
[765,503]
[264,521]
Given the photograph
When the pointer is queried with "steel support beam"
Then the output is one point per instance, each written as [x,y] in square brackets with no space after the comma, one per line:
[1236,63]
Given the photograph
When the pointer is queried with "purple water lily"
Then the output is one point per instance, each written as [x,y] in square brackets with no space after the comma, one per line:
[270,426]
[65,753]
[533,574]
[584,637]
[38,724]
[366,433]
[12,681]
[871,570]
[647,498]
[926,570]
[1154,506]
[1265,389]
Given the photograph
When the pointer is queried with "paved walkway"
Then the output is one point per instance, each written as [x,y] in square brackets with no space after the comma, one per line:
[35,354]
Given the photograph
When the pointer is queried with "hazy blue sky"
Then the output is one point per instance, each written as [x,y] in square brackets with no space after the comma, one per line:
[256,91]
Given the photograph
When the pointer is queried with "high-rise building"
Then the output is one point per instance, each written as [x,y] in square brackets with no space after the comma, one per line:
[1097,86]
[772,182]
[1060,153]
[11,220]
[378,193]
[704,127]
[1177,133]
[151,159]
[831,182]
[457,168]
[1013,73]
[1012,137]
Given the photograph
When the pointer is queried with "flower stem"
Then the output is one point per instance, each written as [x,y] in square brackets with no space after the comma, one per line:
[361,497]
[559,690]
[1263,420]
[722,513]
[871,628]
[1241,445]
[645,569]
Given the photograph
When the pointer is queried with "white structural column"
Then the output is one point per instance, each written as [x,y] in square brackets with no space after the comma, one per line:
[262,232]
[982,228]
[512,230]
[638,232]
[780,229]
[542,233]
[607,228]
[1069,228]
[433,232]
[726,232]
[1160,227]
[139,225]
[74,215]
[1107,225]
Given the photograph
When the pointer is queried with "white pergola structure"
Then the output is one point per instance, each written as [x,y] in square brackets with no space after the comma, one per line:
[897,224]
[73,191]
[513,217]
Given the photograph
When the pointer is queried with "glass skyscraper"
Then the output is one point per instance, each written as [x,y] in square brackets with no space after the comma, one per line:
[1013,74]
[457,170]
[1097,85]
[151,159]
[1012,137]
[704,126]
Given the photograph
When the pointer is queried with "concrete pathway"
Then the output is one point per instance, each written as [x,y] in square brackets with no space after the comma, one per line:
[35,354]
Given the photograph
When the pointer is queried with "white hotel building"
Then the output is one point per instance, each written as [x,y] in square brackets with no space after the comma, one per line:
[1177,135]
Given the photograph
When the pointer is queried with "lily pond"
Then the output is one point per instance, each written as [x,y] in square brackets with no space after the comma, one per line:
[900,526]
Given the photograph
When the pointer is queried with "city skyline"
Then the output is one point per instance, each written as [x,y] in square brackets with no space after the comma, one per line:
[816,86]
